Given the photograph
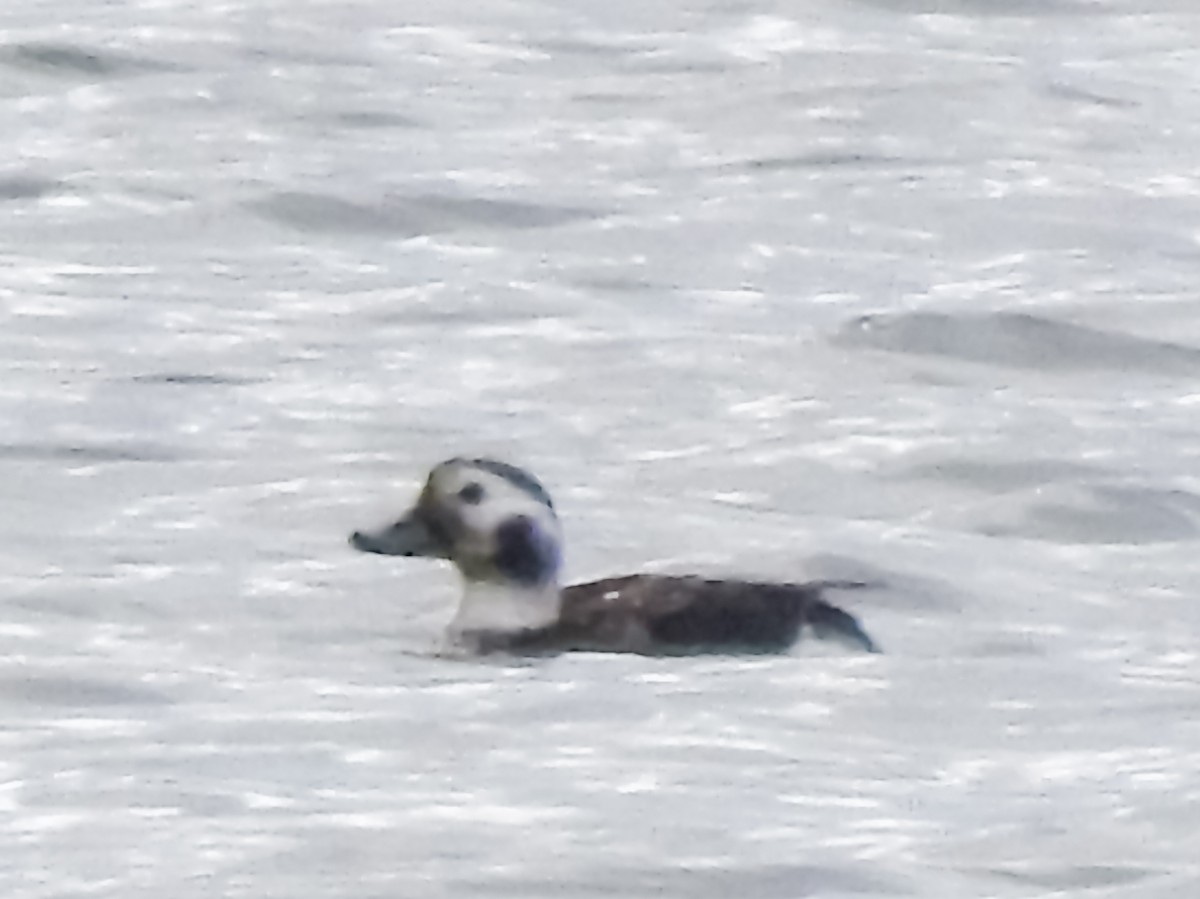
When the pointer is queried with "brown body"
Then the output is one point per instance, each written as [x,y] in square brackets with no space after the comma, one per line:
[663,615]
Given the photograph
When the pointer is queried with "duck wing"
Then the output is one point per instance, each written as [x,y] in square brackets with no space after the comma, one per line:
[662,614]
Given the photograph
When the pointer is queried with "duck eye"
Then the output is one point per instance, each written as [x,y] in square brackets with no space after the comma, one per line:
[471,494]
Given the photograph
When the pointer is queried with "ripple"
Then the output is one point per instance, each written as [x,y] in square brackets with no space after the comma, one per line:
[90,452]
[411,216]
[1017,340]
[376,119]
[824,161]
[1098,514]
[77,61]
[982,9]
[27,187]
[69,691]
[1078,877]
[703,879]
[195,379]
[1000,476]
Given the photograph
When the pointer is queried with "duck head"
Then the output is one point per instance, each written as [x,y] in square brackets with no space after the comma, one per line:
[494,521]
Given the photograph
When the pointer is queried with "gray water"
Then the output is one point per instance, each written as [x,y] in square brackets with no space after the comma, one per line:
[901,289]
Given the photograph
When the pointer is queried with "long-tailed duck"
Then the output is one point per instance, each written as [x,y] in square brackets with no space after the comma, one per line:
[497,524]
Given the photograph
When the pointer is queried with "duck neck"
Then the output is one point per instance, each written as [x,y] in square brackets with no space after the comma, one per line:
[488,607]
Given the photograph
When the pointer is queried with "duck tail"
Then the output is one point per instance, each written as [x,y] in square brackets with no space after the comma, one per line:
[830,622]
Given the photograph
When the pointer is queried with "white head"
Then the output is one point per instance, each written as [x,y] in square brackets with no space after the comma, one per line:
[496,523]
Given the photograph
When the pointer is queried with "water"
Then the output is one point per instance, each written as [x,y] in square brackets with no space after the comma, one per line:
[897,289]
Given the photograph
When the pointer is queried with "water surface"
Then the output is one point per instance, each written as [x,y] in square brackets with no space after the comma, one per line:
[901,289]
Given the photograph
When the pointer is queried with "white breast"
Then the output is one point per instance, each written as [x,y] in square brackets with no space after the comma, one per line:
[496,607]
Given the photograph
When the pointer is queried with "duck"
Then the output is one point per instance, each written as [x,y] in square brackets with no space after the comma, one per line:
[498,525]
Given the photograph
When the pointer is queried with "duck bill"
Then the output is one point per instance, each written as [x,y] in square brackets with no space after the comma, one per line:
[410,536]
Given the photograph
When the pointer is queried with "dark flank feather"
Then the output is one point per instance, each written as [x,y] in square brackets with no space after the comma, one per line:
[663,615]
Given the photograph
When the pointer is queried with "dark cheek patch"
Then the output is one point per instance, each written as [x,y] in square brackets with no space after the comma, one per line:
[523,554]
